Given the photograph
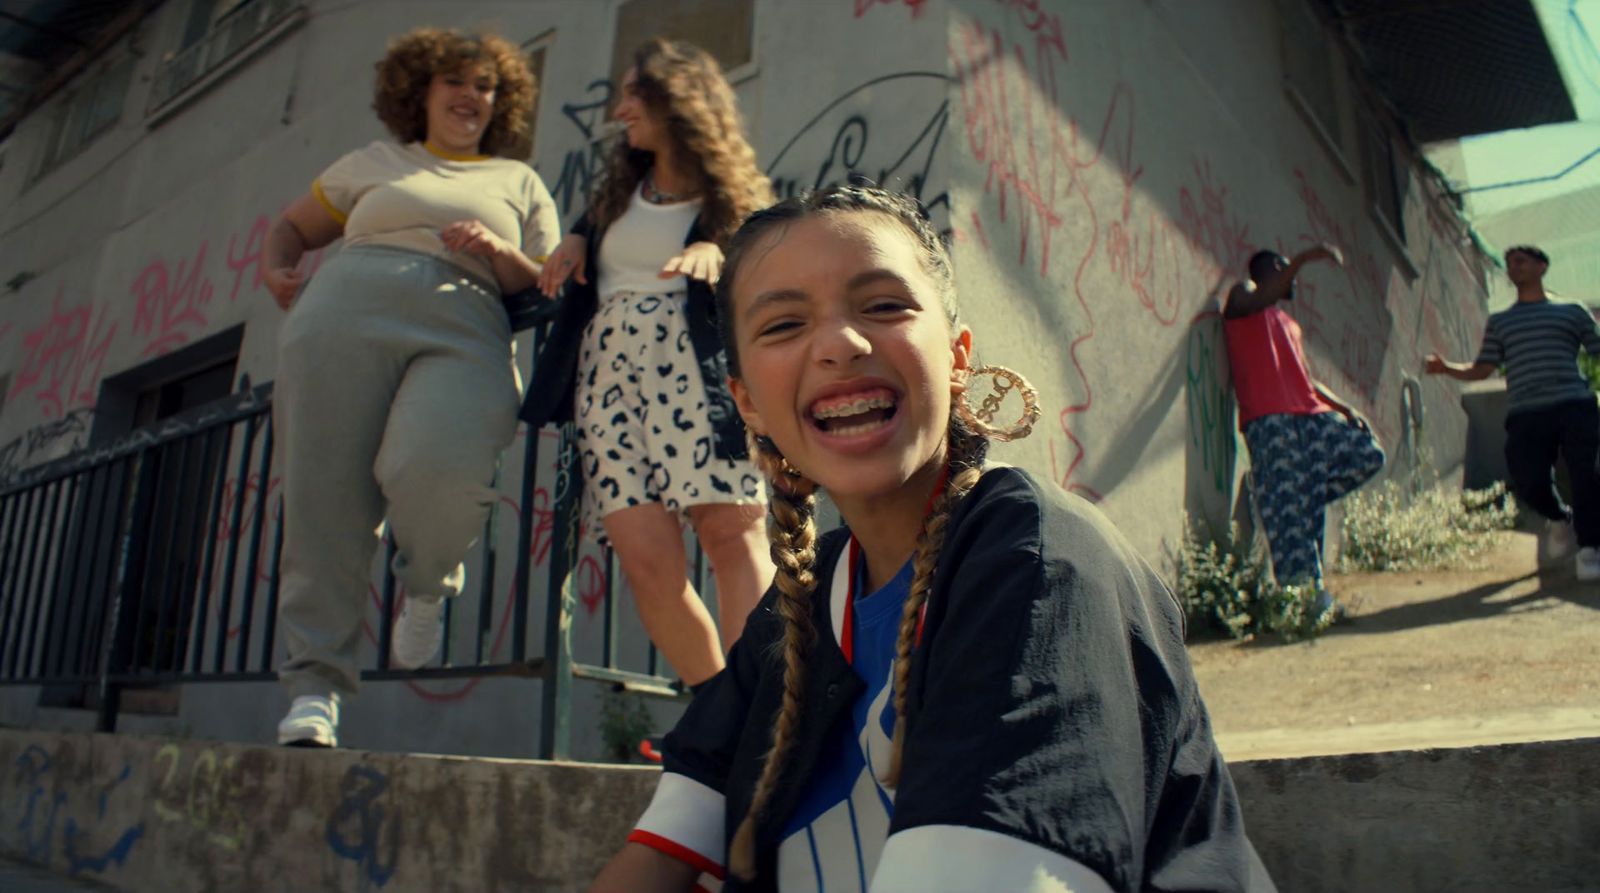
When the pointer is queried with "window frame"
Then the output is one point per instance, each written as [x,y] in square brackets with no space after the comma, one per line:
[167,99]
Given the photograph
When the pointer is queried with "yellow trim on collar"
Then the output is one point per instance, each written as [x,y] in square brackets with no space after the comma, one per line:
[451,156]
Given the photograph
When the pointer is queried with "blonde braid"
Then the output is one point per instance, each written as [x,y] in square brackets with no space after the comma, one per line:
[792,528]
[967,451]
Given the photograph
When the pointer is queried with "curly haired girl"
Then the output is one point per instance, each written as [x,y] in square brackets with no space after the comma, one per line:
[635,357]
[976,684]
[396,390]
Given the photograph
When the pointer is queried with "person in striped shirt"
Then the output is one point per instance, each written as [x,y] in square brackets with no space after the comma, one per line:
[1552,409]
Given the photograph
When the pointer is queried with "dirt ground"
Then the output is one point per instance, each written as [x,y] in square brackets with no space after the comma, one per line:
[1448,658]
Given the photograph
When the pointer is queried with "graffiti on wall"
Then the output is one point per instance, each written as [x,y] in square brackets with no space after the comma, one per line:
[581,168]
[838,141]
[862,7]
[50,440]
[1209,396]
[365,828]
[209,795]
[61,822]
[64,359]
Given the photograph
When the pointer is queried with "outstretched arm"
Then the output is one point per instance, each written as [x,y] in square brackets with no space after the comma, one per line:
[1251,297]
[1437,365]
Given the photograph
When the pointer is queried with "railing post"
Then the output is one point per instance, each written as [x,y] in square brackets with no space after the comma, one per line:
[127,582]
[555,729]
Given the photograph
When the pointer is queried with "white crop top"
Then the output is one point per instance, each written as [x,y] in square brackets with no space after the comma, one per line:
[640,242]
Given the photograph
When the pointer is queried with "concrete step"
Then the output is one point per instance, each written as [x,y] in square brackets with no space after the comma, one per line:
[16,877]
[159,815]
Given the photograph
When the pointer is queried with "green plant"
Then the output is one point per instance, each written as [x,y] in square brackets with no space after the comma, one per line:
[1224,585]
[1590,367]
[1391,527]
[624,722]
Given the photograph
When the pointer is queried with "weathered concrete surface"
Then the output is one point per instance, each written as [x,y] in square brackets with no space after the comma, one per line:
[1507,817]
[150,814]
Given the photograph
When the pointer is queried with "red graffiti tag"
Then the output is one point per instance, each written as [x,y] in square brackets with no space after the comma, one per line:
[865,6]
[63,359]
[171,304]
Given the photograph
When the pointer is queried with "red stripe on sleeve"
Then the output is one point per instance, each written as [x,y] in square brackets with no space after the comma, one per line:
[678,851]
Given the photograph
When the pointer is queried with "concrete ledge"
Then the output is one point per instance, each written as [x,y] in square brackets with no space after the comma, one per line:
[166,816]
[1497,818]
[150,814]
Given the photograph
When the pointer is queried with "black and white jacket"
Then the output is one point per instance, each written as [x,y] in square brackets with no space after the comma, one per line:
[1055,730]
[552,386]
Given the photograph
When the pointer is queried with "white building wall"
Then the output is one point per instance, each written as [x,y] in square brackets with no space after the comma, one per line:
[1120,163]
[1104,169]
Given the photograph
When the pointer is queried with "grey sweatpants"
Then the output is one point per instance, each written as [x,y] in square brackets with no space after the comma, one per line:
[396,393]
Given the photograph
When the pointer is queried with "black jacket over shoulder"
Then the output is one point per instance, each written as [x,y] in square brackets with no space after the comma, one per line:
[550,393]
[1051,701]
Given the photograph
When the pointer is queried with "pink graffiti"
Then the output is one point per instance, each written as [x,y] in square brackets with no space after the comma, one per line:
[1033,16]
[171,303]
[246,258]
[242,259]
[865,6]
[1037,164]
[63,359]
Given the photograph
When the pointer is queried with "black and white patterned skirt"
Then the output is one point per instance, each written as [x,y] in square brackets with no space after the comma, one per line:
[643,429]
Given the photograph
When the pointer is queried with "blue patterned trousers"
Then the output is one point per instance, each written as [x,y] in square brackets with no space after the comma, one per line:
[1299,464]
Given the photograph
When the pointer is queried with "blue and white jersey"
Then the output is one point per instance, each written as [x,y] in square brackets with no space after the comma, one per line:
[1055,742]
[836,834]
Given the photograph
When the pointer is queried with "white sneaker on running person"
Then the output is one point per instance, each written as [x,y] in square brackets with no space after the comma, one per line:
[418,631]
[1588,564]
[312,721]
[1557,543]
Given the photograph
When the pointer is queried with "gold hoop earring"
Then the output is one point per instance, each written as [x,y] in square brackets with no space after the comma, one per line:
[982,418]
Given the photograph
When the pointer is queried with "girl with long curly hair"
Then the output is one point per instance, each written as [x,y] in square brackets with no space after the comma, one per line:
[396,390]
[976,683]
[634,357]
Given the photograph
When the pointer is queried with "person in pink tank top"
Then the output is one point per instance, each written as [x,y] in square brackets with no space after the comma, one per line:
[1307,447]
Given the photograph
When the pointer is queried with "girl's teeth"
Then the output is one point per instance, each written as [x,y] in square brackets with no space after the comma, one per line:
[848,430]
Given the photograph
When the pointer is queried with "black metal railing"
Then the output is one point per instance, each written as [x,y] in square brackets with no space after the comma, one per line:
[154,560]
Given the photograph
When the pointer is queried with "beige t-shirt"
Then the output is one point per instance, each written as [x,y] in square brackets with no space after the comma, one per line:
[402,196]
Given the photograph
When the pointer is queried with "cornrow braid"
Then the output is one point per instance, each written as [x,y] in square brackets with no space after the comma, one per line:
[792,529]
[966,454]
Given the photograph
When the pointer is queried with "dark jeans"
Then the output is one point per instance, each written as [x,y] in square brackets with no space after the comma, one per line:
[1533,438]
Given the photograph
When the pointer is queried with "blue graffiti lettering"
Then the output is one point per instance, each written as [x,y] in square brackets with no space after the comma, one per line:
[357,827]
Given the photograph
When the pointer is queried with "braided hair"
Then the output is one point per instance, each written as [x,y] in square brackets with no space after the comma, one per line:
[791,524]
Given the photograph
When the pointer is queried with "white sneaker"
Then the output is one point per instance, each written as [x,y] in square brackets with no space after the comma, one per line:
[418,632]
[312,721]
[1557,543]
[1588,564]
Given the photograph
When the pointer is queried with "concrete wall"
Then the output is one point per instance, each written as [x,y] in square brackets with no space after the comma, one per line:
[1120,163]
[1474,820]
[150,241]
[148,814]
[1103,169]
